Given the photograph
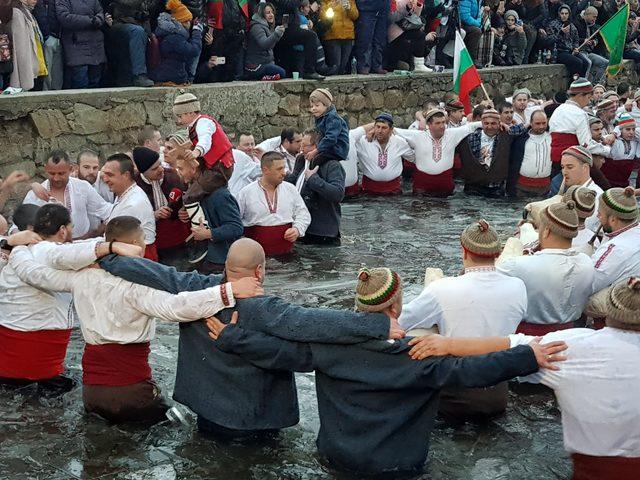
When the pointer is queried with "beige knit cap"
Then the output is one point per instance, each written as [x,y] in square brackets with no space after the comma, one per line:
[561,219]
[185,103]
[583,198]
[321,95]
[377,289]
[623,303]
[620,202]
[481,239]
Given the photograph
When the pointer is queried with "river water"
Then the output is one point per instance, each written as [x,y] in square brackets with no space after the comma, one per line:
[52,439]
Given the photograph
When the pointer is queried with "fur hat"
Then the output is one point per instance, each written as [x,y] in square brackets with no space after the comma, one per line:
[561,219]
[144,158]
[179,11]
[481,239]
[185,103]
[583,198]
[377,289]
[623,303]
[321,95]
[581,153]
[579,85]
[620,202]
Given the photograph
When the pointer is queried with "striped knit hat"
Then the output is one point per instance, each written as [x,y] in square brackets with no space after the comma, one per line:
[521,91]
[611,94]
[579,152]
[625,120]
[593,120]
[432,112]
[481,239]
[620,202]
[583,198]
[453,105]
[321,95]
[580,85]
[606,103]
[623,303]
[561,218]
[185,103]
[600,87]
[490,113]
[377,289]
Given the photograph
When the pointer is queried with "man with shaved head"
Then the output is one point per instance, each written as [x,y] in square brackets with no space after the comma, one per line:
[231,397]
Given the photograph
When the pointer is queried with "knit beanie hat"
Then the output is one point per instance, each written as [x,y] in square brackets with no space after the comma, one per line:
[185,103]
[623,303]
[520,91]
[511,13]
[490,113]
[583,198]
[321,95]
[481,239]
[599,86]
[581,153]
[377,289]
[179,11]
[144,158]
[180,137]
[620,202]
[610,94]
[561,218]
[432,112]
[564,6]
[625,120]
[593,120]
[579,85]
[454,105]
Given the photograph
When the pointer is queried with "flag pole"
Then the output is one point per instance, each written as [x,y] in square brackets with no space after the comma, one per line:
[486,94]
[598,31]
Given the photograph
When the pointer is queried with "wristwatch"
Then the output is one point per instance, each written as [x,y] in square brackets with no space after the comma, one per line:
[4,245]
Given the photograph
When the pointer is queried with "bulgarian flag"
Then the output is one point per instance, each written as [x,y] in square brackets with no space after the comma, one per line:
[614,35]
[465,75]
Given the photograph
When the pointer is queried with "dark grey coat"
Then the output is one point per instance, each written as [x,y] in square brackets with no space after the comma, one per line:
[260,42]
[81,24]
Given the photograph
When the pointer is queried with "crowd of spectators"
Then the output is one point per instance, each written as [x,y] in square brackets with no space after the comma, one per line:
[55,44]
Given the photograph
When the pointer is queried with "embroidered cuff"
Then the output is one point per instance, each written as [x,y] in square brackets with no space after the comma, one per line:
[226,292]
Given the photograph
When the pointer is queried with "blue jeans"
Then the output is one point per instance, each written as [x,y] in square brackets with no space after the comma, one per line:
[264,70]
[138,39]
[371,38]
[84,76]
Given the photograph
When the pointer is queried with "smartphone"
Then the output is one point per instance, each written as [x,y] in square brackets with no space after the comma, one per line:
[519,23]
[221,61]
[285,19]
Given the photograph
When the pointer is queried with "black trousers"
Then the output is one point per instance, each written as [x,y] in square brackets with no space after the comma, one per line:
[297,36]
[408,45]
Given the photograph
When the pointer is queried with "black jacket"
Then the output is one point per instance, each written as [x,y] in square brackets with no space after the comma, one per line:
[377,406]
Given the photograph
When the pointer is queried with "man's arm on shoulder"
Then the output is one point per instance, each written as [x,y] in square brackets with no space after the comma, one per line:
[38,275]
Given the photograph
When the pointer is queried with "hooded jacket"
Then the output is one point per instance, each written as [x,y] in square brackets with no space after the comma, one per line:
[262,39]
[564,42]
[177,50]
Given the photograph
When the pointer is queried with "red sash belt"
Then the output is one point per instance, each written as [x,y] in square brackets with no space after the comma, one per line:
[116,365]
[271,238]
[540,329]
[587,467]
[392,187]
[543,182]
[559,143]
[151,252]
[407,166]
[457,162]
[171,233]
[35,355]
[441,184]
[618,171]
[352,191]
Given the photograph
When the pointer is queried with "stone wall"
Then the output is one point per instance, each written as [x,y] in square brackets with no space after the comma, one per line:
[107,120]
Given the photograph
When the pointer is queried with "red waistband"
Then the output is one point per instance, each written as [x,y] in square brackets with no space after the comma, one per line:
[441,184]
[116,365]
[392,187]
[271,238]
[151,252]
[534,182]
[618,171]
[559,143]
[352,191]
[540,329]
[587,467]
[171,233]
[35,355]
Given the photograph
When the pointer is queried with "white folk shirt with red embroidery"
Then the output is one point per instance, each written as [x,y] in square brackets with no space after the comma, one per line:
[434,157]
[597,388]
[378,164]
[245,171]
[350,164]
[480,303]
[205,128]
[135,203]
[558,283]
[256,207]
[570,118]
[536,160]
[617,258]
[275,145]
[82,200]
[112,310]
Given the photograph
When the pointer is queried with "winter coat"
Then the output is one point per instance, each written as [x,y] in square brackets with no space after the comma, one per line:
[536,15]
[401,12]
[82,37]
[470,13]
[334,134]
[25,64]
[342,26]
[563,42]
[262,38]
[382,6]
[516,43]
[177,50]
[584,32]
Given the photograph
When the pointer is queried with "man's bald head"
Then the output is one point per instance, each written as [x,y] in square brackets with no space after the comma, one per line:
[245,259]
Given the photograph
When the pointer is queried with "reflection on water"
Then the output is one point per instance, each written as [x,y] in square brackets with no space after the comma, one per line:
[52,439]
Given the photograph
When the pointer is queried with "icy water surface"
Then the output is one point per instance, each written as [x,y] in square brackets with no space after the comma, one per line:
[53,440]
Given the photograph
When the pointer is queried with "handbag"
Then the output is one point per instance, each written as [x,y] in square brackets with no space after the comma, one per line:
[411,22]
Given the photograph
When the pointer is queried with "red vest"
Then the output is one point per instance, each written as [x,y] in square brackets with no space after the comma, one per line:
[220,145]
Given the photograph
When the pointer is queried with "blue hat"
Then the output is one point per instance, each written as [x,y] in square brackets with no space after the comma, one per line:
[385,117]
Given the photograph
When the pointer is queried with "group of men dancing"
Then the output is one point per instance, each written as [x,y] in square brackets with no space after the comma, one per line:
[570,276]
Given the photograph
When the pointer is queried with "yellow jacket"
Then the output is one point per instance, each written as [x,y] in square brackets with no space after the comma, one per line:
[342,27]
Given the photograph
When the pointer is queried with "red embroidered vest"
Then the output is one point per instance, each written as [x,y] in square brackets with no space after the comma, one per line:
[220,145]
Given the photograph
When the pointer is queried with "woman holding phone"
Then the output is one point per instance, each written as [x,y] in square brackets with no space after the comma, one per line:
[263,36]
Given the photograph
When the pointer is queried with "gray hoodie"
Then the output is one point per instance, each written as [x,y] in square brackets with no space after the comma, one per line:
[261,41]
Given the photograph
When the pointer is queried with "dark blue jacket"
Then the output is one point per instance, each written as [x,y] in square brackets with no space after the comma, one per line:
[177,50]
[227,389]
[45,14]
[377,406]
[334,135]
[223,216]
[381,6]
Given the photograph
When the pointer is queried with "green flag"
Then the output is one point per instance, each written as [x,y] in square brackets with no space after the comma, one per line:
[614,34]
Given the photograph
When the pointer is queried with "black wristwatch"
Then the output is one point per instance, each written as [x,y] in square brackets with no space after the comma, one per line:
[4,245]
